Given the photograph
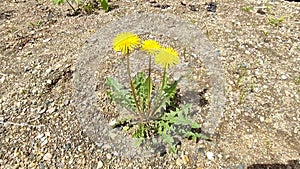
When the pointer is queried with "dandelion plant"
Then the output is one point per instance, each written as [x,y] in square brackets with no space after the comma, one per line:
[151,107]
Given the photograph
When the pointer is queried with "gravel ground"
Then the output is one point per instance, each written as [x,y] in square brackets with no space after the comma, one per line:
[39,45]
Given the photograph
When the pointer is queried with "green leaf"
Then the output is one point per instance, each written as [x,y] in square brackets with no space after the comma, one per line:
[126,128]
[170,90]
[169,116]
[162,100]
[104,5]
[120,95]
[167,138]
[109,94]
[183,119]
[162,127]
[173,149]
[195,136]
[275,21]
[140,82]
[58,2]
[180,117]
[195,125]
[140,132]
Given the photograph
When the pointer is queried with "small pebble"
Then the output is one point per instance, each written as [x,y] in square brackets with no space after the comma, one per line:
[108,156]
[2,79]
[48,71]
[42,110]
[66,102]
[178,162]
[116,153]
[39,136]
[51,110]
[112,122]
[100,164]
[284,77]
[262,119]
[49,81]
[44,141]
[1,119]
[247,52]
[210,155]
[47,134]
[240,166]
[47,157]
[185,159]
[268,120]
[46,40]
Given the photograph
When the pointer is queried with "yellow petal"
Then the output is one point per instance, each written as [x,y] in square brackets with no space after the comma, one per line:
[150,46]
[166,57]
[126,42]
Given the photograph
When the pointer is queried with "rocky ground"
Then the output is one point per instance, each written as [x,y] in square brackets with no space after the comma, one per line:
[259,46]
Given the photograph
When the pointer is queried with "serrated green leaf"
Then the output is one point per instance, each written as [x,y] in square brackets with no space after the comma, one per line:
[192,134]
[169,116]
[181,118]
[162,100]
[167,138]
[162,127]
[120,95]
[195,125]
[196,135]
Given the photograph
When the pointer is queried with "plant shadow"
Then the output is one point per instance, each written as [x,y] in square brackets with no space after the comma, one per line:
[292,164]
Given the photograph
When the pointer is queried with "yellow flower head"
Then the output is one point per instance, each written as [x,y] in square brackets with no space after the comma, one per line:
[126,42]
[150,46]
[166,57]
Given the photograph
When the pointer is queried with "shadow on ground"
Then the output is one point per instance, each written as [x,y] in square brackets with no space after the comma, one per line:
[292,164]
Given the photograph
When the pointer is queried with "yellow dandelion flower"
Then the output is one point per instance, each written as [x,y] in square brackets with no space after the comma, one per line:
[126,42]
[166,57]
[150,46]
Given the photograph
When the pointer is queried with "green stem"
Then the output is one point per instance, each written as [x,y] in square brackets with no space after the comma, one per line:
[163,80]
[132,87]
[149,90]
[159,93]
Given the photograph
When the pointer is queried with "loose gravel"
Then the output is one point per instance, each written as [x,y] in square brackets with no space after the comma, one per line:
[40,44]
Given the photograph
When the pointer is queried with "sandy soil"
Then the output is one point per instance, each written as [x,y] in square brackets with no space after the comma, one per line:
[259,49]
